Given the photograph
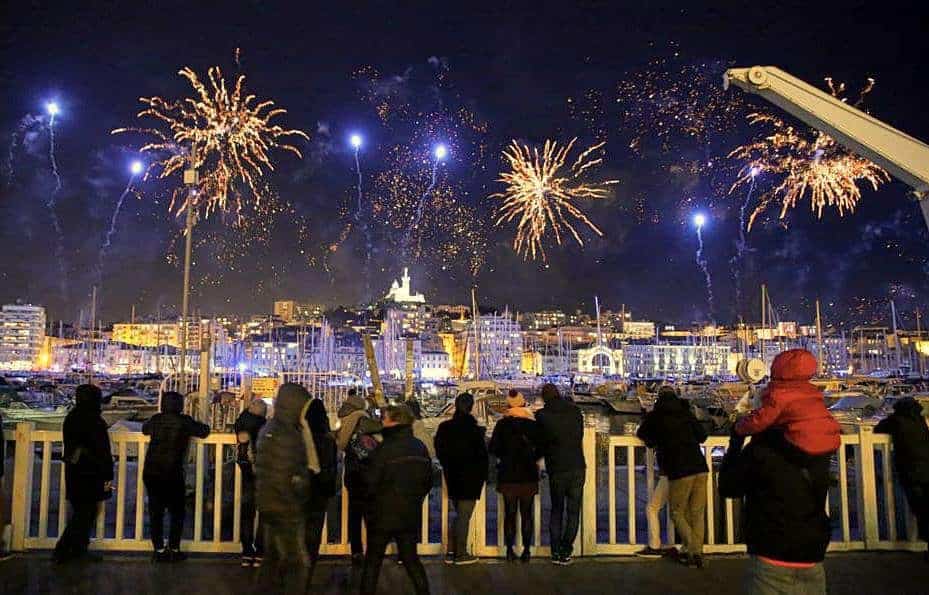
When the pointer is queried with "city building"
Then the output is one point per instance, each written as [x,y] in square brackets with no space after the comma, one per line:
[294,312]
[401,291]
[500,346]
[600,359]
[634,329]
[544,319]
[22,335]
[675,360]
[154,334]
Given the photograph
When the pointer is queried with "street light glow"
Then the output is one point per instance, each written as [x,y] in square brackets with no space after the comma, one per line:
[699,220]
[754,171]
[136,167]
[52,108]
[440,152]
[355,141]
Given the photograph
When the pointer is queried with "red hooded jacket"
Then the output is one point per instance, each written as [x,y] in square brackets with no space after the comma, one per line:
[790,402]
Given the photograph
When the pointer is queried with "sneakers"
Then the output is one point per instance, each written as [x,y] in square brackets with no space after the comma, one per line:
[5,555]
[159,556]
[464,560]
[524,558]
[247,561]
[692,561]
[449,557]
[562,559]
[671,552]
[510,554]
[358,559]
[256,561]
[649,552]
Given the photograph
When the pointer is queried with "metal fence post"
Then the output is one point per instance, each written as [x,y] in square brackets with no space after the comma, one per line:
[589,508]
[868,483]
[22,486]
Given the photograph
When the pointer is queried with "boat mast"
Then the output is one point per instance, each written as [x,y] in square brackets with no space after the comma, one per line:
[919,338]
[763,324]
[475,325]
[819,340]
[893,316]
[90,341]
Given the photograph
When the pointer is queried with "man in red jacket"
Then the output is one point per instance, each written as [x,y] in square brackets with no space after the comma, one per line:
[792,404]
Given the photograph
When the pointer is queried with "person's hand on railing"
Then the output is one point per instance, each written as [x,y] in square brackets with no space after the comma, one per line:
[736,440]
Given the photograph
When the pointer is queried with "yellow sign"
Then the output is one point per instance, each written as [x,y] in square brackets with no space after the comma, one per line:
[265,387]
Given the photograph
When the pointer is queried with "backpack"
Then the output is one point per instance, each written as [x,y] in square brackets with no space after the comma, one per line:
[361,445]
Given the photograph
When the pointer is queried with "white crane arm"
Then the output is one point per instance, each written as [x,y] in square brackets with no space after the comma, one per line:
[905,157]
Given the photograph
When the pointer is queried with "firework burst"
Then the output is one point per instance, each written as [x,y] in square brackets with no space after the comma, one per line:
[541,192]
[230,135]
[808,164]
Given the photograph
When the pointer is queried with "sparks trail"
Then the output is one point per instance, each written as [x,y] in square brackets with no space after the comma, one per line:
[135,170]
[741,245]
[52,202]
[540,194]
[25,124]
[417,219]
[699,221]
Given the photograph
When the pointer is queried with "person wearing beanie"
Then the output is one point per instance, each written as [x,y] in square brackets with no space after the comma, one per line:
[163,474]
[247,427]
[515,443]
[675,434]
[88,470]
[462,450]
[562,429]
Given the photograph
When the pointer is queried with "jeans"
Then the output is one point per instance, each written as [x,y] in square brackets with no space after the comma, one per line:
[656,502]
[768,579]
[406,549]
[356,513]
[166,495]
[251,540]
[76,536]
[526,507]
[462,525]
[688,508]
[567,492]
[286,561]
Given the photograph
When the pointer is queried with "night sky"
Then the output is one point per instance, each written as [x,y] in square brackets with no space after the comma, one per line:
[476,78]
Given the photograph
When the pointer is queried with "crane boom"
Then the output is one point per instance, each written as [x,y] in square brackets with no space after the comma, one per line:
[905,157]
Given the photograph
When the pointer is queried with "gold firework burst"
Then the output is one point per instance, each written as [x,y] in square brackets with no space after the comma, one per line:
[230,135]
[541,192]
[809,164]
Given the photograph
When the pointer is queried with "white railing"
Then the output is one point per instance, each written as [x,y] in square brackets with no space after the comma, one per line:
[866,506]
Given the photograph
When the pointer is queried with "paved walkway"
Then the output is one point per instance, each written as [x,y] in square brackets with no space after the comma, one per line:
[853,573]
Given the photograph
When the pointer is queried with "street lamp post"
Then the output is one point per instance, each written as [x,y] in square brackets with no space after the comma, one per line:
[191,179]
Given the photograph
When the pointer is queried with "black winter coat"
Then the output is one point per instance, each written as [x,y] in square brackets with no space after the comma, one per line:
[324,484]
[461,448]
[398,475]
[171,432]
[785,497]
[675,434]
[87,455]
[910,435]
[282,474]
[516,443]
[246,451]
[2,447]
[562,430]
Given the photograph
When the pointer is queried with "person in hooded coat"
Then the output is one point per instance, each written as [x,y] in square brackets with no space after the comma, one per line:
[910,435]
[247,427]
[516,444]
[461,447]
[88,470]
[795,406]
[398,477]
[325,484]
[675,434]
[286,460]
[163,474]
[354,419]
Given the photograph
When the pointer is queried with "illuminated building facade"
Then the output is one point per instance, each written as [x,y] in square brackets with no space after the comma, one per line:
[22,335]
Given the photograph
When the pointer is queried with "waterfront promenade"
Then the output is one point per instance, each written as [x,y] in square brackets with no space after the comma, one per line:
[901,573]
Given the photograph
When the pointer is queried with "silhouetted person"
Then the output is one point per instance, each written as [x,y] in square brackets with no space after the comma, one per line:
[4,498]
[356,438]
[910,435]
[398,476]
[247,426]
[515,443]
[163,475]
[562,426]
[461,448]
[286,460]
[324,485]
[88,470]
